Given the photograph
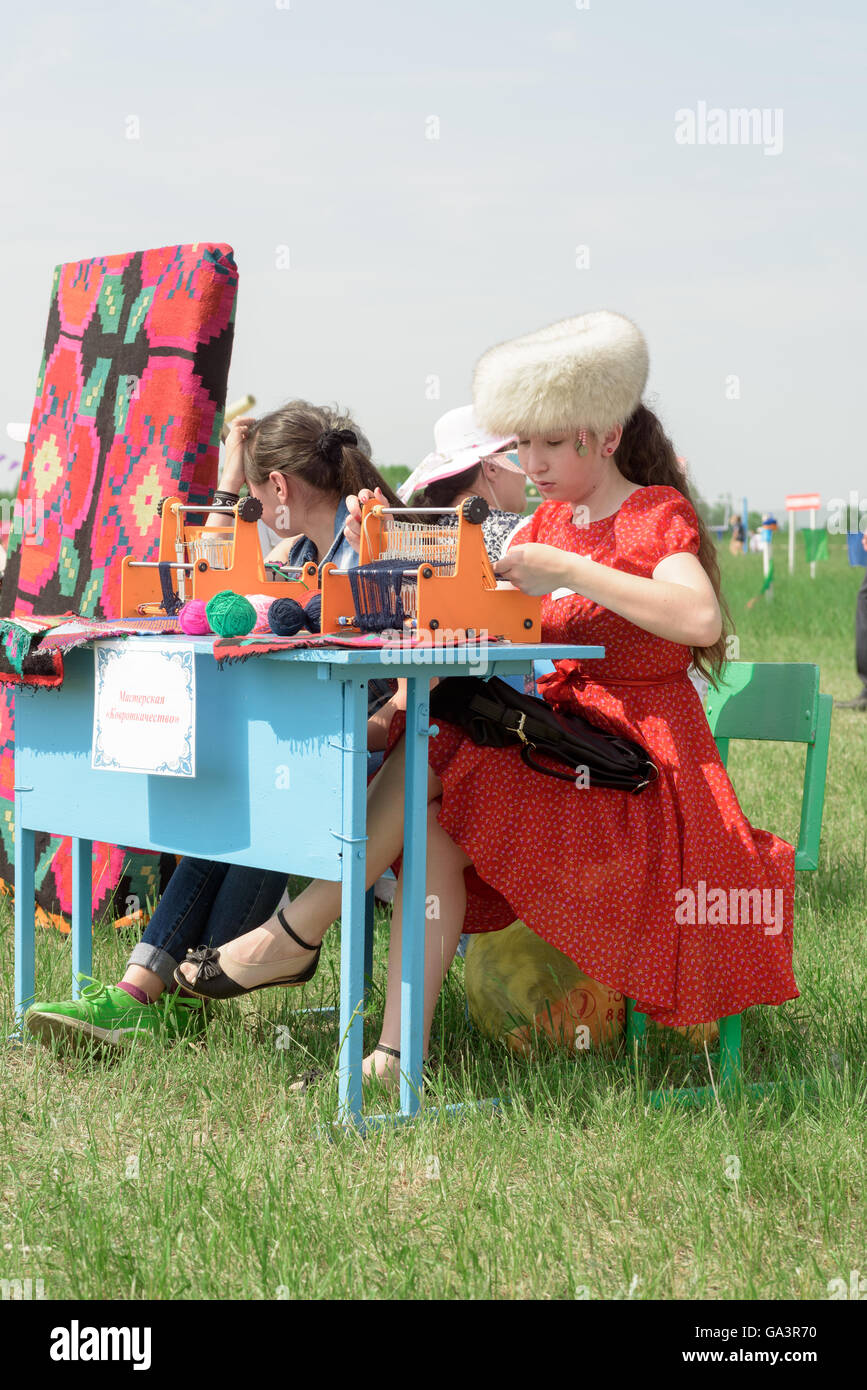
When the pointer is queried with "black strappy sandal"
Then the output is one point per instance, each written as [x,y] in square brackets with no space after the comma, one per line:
[310,1078]
[307,1080]
[212,982]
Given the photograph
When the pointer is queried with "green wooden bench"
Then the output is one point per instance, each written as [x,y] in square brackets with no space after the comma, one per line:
[778,701]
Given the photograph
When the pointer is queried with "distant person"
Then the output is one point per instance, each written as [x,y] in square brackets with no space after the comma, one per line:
[302,462]
[469,461]
[738,536]
[860,701]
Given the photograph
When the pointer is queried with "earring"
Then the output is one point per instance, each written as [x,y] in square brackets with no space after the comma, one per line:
[581,446]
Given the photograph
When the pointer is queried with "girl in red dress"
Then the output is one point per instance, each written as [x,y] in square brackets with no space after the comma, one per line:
[671,896]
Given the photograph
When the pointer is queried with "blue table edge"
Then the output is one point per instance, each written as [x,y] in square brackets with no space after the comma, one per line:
[417,665]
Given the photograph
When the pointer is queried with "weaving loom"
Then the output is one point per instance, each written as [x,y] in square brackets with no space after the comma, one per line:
[200,561]
[415,576]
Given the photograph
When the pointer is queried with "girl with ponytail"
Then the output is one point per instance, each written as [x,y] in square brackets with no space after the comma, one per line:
[302,462]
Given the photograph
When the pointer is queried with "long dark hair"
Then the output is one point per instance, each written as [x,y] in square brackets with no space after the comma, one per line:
[646,455]
[443,492]
[285,441]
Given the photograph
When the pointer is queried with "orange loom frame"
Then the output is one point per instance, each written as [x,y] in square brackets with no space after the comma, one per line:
[245,573]
[467,601]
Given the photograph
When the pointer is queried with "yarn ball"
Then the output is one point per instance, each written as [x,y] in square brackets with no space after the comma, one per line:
[286,617]
[192,618]
[230,615]
[313,612]
[261,603]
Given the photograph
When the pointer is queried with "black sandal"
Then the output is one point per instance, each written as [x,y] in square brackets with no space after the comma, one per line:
[212,982]
[307,1080]
[310,1078]
[391,1078]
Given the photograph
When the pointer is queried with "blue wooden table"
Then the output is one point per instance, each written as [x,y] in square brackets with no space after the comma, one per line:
[280,783]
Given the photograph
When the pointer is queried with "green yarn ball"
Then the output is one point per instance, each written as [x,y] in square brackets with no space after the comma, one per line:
[230,615]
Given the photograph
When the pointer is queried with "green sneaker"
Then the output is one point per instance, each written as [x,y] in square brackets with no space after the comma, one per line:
[107,1015]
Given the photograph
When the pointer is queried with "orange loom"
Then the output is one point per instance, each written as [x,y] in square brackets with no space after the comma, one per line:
[449,585]
[207,559]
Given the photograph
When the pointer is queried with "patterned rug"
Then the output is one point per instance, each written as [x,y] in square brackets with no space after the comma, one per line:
[19,636]
[129,406]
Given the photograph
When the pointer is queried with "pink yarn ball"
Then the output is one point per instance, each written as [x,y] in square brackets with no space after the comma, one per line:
[192,618]
[261,603]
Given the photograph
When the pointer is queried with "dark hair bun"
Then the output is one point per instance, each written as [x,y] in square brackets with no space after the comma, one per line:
[329,445]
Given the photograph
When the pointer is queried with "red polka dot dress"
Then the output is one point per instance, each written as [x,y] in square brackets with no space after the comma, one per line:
[599,873]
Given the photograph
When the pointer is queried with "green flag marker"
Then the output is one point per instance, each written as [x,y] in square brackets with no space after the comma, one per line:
[816,543]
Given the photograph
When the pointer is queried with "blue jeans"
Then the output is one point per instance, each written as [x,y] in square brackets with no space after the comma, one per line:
[205,904]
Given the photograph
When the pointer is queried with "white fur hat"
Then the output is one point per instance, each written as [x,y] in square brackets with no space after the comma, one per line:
[581,373]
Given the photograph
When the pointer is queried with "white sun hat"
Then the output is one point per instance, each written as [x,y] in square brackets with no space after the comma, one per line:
[460,444]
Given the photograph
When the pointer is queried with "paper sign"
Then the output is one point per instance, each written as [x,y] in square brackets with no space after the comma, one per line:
[144,708]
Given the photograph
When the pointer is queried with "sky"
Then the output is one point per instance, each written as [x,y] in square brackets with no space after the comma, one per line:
[405,184]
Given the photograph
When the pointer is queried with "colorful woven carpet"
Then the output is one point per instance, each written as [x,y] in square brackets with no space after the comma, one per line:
[129,406]
[17,638]
[19,635]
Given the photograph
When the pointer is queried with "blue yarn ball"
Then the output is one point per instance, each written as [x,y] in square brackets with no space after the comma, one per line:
[286,617]
[313,613]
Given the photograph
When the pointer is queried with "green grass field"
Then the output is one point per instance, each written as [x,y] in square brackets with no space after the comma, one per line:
[192,1173]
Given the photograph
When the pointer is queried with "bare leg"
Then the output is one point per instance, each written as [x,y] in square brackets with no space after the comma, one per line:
[447,900]
[313,911]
